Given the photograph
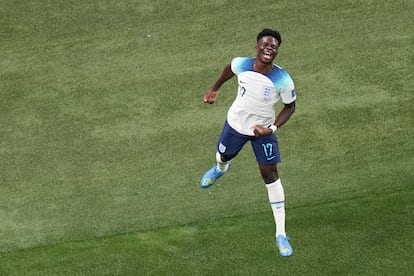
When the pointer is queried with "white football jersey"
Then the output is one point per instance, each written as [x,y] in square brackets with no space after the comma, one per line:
[257,95]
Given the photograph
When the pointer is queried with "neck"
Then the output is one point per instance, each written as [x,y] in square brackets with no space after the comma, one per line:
[261,67]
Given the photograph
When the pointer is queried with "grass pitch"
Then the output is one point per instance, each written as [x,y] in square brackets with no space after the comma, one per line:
[104,137]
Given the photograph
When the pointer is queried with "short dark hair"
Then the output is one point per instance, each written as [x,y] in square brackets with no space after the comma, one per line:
[270,32]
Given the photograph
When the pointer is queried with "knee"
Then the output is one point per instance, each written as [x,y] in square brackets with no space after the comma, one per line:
[269,174]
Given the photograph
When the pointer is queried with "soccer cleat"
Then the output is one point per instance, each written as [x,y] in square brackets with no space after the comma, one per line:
[285,249]
[210,177]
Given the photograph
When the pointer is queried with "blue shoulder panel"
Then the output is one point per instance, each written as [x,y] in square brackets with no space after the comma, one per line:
[241,64]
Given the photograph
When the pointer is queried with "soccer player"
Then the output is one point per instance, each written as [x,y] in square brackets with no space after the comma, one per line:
[251,117]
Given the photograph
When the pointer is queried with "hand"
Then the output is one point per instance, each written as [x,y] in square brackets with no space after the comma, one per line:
[210,96]
[260,131]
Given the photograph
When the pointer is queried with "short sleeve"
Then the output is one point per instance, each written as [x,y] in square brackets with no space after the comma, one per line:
[288,94]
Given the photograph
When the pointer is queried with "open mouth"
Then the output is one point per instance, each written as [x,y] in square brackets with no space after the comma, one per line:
[267,55]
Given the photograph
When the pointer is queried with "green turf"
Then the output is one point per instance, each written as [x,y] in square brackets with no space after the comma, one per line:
[241,245]
[104,136]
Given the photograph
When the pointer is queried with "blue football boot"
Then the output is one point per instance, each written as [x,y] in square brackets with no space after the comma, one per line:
[210,177]
[285,249]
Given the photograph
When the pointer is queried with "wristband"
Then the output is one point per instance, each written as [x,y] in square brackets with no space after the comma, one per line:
[273,128]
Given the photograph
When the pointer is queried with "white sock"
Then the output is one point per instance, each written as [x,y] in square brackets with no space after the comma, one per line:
[277,202]
[222,166]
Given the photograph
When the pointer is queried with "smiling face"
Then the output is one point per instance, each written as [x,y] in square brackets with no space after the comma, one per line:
[266,49]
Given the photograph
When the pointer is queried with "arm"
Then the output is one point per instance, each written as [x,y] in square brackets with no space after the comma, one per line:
[285,114]
[282,118]
[211,95]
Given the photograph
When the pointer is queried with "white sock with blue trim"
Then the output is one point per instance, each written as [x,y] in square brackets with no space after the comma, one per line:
[277,202]
[222,166]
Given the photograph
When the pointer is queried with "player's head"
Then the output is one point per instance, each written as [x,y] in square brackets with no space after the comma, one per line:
[267,47]
[269,32]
